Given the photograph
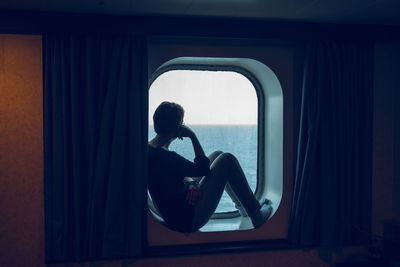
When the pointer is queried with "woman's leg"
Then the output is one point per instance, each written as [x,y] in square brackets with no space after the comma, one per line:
[224,169]
[214,155]
[238,188]
[235,199]
[211,157]
[228,188]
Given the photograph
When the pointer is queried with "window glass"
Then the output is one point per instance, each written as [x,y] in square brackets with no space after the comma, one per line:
[221,107]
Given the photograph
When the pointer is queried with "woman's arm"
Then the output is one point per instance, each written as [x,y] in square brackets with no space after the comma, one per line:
[194,191]
[187,132]
[182,167]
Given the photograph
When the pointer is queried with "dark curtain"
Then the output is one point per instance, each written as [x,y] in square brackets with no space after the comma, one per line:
[332,191]
[95,136]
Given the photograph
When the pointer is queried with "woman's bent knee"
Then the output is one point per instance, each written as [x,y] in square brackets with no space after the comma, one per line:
[215,154]
[226,160]
[229,157]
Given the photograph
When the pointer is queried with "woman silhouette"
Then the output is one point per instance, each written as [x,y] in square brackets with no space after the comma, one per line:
[186,204]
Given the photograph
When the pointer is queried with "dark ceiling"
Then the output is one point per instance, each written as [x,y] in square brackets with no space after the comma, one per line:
[332,11]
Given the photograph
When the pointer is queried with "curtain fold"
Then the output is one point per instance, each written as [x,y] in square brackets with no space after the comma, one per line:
[332,192]
[95,136]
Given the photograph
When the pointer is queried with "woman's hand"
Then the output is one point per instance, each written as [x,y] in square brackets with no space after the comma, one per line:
[185,131]
[194,194]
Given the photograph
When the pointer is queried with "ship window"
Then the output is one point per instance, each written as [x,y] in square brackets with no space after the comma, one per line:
[233,105]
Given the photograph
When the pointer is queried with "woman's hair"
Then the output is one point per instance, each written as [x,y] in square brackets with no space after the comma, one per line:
[167,117]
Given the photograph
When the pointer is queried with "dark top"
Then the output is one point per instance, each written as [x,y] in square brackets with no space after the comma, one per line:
[167,171]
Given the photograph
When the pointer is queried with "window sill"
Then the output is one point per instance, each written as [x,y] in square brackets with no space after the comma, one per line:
[230,223]
[217,248]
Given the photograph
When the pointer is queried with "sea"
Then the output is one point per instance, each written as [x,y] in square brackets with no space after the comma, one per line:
[240,140]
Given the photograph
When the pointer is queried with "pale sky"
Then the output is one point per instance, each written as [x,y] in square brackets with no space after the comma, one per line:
[208,97]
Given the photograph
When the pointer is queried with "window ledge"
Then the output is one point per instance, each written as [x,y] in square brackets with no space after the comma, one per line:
[217,248]
[238,222]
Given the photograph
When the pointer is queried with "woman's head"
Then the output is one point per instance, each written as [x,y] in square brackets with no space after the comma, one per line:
[167,118]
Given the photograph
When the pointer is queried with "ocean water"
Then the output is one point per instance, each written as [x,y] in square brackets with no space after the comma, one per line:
[240,140]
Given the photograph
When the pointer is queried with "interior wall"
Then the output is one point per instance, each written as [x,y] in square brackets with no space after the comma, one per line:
[21,151]
[21,165]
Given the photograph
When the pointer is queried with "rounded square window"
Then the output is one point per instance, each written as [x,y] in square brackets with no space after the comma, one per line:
[222,109]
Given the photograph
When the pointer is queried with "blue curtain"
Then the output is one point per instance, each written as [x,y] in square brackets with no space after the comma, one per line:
[95,136]
[332,192]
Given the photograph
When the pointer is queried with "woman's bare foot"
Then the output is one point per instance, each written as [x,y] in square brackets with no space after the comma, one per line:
[242,210]
[261,216]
